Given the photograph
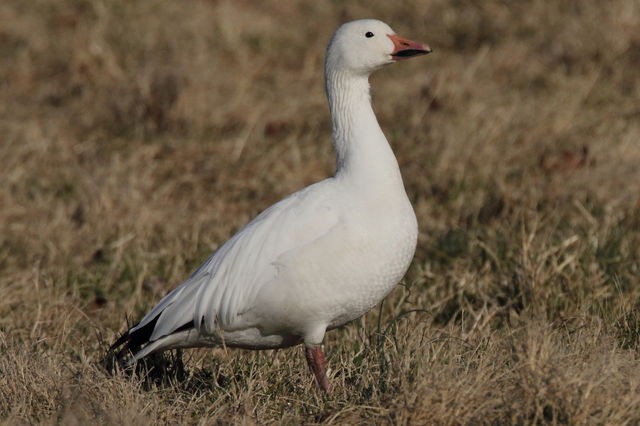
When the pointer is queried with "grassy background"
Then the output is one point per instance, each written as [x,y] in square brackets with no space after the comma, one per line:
[136,137]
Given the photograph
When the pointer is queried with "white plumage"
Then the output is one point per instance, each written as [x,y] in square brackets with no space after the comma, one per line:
[317,259]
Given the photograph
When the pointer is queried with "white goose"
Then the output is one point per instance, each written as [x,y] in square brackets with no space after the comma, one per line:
[317,259]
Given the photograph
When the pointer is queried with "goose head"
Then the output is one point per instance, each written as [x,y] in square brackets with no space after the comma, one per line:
[362,46]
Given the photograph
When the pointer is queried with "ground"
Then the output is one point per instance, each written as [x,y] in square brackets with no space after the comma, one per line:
[136,137]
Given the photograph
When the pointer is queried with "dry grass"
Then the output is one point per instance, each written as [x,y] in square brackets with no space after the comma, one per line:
[135,137]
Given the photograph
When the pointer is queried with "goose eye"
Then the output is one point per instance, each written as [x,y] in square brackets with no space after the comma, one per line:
[369,34]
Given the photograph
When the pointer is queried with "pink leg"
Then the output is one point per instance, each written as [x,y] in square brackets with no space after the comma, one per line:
[315,359]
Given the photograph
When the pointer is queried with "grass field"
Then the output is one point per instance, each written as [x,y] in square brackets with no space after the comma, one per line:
[136,137]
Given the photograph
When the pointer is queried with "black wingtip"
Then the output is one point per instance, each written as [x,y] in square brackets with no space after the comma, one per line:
[119,354]
[124,337]
[125,347]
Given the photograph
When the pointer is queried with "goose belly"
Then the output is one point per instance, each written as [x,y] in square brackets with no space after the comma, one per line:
[333,282]
[378,262]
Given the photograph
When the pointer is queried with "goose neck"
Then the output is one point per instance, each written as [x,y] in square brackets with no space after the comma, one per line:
[361,147]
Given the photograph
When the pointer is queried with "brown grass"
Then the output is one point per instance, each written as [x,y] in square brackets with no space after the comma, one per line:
[135,137]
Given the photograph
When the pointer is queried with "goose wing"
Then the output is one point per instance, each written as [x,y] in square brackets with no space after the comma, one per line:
[227,283]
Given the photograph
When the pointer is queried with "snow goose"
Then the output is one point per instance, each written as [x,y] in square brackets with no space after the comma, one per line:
[319,258]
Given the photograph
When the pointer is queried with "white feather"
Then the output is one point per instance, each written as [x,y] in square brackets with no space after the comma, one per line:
[226,284]
[322,256]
